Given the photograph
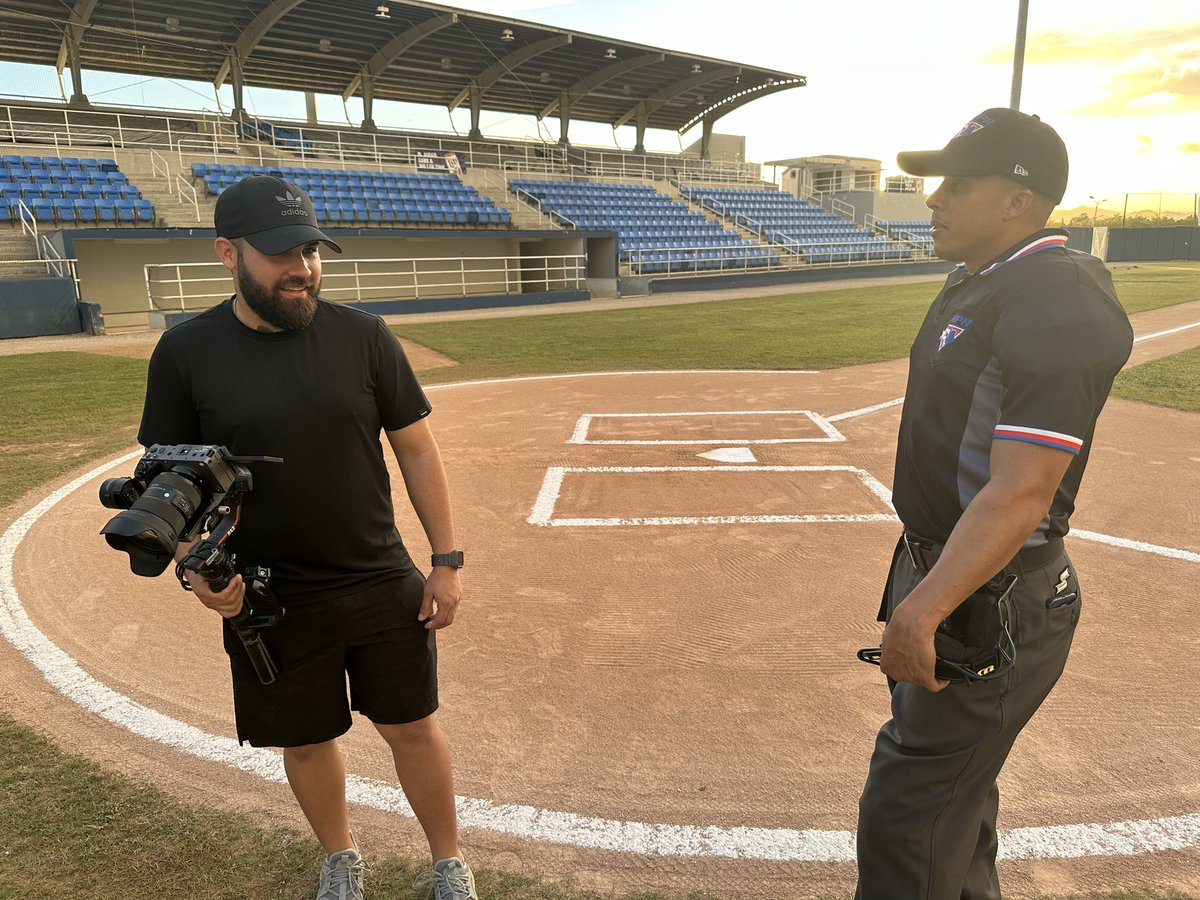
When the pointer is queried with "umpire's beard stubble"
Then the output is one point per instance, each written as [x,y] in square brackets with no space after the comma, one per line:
[281,312]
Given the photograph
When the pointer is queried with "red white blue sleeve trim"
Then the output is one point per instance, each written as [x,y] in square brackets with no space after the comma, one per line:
[1039,436]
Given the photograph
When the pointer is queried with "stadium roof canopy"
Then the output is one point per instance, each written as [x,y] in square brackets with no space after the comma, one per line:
[398,50]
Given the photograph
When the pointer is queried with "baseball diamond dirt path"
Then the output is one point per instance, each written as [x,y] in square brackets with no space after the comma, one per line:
[698,676]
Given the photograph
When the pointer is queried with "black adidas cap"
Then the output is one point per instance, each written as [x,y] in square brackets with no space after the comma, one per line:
[273,215]
[999,141]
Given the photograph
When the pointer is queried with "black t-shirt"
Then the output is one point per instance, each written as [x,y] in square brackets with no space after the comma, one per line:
[1025,350]
[322,519]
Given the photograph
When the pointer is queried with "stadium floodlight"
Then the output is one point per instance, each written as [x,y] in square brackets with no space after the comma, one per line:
[544,77]
[610,53]
[381,12]
[173,24]
[446,63]
[507,35]
[696,70]
[325,45]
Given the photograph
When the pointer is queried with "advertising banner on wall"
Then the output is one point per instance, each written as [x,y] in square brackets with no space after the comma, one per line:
[439,161]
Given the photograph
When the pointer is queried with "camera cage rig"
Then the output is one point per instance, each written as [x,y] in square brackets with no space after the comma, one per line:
[225,480]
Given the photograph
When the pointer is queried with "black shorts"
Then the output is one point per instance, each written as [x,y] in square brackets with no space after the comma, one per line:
[372,636]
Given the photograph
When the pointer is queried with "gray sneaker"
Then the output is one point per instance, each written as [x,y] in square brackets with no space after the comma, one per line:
[342,877]
[452,879]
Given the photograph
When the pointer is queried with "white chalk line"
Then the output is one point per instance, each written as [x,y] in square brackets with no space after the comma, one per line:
[580,434]
[1141,546]
[627,374]
[1129,838]
[1165,332]
[543,507]
[866,410]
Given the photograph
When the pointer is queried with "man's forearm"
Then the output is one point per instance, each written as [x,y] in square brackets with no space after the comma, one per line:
[429,493]
[990,533]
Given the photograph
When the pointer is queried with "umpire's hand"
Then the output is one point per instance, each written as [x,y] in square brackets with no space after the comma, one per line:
[443,593]
[908,650]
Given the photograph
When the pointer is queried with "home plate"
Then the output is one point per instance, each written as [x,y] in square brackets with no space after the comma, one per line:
[730,455]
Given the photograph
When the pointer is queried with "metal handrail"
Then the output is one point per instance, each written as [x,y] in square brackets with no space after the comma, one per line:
[184,190]
[684,261]
[53,266]
[29,224]
[157,162]
[411,277]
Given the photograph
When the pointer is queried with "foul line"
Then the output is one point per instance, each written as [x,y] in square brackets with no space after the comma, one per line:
[1164,333]
[1129,838]
[866,410]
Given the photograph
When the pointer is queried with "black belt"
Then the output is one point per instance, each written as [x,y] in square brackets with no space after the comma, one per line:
[924,552]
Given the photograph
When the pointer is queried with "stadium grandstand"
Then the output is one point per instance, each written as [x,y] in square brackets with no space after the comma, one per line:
[108,209]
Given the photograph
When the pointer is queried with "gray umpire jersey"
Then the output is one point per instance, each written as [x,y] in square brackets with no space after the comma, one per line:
[1025,350]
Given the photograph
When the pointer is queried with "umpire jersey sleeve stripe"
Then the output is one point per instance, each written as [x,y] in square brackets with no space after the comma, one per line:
[1039,436]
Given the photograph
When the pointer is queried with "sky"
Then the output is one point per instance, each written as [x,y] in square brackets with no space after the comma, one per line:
[1120,81]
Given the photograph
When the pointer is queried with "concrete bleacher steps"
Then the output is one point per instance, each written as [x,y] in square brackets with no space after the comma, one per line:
[656,233]
[491,185]
[799,227]
[672,190]
[15,245]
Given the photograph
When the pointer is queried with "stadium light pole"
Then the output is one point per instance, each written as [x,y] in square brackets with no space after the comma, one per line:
[1019,55]
[1096,210]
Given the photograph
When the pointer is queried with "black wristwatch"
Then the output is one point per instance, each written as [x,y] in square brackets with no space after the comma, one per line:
[453,559]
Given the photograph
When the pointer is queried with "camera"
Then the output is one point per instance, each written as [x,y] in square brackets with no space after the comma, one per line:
[174,493]
[177,493]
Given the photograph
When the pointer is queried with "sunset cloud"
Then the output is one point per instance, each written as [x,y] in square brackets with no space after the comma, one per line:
[1138,73]
[1193,147]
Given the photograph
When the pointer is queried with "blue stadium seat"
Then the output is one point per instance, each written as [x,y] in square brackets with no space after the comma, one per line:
[64,211]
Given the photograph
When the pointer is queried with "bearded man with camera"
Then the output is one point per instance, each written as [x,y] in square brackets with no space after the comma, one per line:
[276,370]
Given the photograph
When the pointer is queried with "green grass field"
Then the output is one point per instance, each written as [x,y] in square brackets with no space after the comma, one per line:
[1171,381]
[70,831]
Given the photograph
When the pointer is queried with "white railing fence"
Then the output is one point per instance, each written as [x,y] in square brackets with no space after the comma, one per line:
[54,265]
[175,287]
[207,136]
[784,253]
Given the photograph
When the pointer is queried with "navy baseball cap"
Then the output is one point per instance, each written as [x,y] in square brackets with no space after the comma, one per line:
[999,141]
[273,215]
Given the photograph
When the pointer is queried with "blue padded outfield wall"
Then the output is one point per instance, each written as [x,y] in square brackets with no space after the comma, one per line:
[1135,244]
[31,307]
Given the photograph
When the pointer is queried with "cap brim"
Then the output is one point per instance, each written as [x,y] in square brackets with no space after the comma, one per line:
[939,162]
[275,241]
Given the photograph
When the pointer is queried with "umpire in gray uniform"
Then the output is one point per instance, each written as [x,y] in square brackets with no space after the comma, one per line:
[1007,375]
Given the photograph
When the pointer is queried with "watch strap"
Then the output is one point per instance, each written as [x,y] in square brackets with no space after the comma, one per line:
[453,559]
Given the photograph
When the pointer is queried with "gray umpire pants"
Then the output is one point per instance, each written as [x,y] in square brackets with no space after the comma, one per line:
[927,816]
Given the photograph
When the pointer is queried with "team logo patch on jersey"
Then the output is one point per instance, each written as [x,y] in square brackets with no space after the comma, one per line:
[956,327]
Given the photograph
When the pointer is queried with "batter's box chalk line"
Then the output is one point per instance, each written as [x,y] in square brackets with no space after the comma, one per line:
[547,499]
[829,433]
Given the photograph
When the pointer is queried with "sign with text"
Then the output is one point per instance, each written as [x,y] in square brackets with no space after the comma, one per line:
[439,161]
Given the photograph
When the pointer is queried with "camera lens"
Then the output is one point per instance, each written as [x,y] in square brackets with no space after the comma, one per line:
[119,493]
[149,530]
